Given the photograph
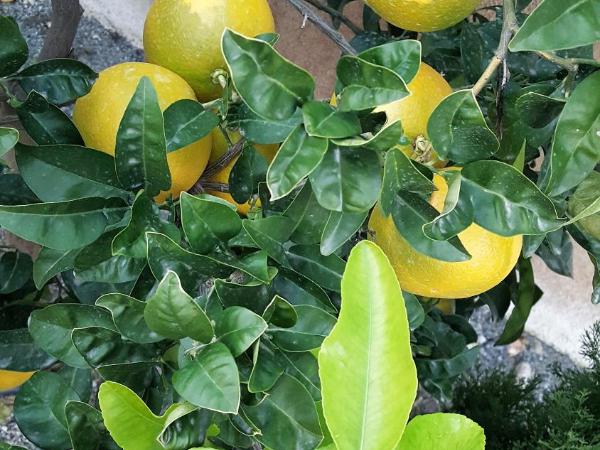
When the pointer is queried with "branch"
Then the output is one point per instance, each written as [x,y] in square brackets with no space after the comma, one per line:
[509,28]
[337,14]
[332,34]
[58,43]
[203,184]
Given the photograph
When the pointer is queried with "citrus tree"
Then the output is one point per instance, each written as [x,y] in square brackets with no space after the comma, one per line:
[195,255]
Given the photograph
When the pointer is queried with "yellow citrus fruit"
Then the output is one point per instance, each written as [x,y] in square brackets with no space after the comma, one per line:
[423,15]
[427,90]
[185,36]
[492,257]
[10,379]
[99,113]
[220,147]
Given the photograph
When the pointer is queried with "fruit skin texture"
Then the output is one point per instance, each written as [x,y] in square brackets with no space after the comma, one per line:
[493,257]
[423,15]
[220,147]
[99,113]
[185,36]
[10,379]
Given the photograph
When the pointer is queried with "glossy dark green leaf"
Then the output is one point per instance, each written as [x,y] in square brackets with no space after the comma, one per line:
[366,85]
[88,292]
[347,180]
[254,264]
[45,123]
[145,216]
[14,190]
[165,255]
[15,271]
[528,294]
[266,370]
[238,328]
[19,352]
[50,263]
[59,80]
[325,121]
[458,130]
[254,296]
[86,428]
[128,315]
[208,221]
[40,410]
[400,173]
[249,170]
[299,290]
[270,85]
[211,380]
[51,329]
[324,270]
[384,139]
[8,138]
[287,417]
[97,263]
[538,110]
[139,376]
[556,251]
[270,234]
[141,152]
[62,225]
[583,199]
[298,156]
[101,346]
[340,228]
[575,149]
[313,325]
[303,366]
[410,213]
[280,313]
[414,310]
[68,172]
[403,57]
[552,26]
[80,380]
[264,131]
[172,313]
[308,217]
[14,50]
[186,121]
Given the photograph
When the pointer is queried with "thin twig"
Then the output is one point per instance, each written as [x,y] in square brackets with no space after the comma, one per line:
[337,14]
[58,43]
[509,28]
[334,35]
[203,184]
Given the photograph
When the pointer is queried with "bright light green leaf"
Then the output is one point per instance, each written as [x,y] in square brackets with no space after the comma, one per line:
[367,359]
[442,430]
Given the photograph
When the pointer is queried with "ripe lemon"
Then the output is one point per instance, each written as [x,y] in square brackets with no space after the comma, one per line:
[493,257]
[427,90]
[99,113]
[423,15]
[185,36]
[10,379]
[220,147]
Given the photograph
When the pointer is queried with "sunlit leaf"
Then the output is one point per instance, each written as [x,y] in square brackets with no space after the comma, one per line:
[442,430]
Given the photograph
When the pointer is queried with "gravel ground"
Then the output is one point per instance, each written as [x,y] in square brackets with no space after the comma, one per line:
[100,48]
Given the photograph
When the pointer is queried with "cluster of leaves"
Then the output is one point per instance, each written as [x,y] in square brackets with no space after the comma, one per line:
[508,408]
[206,324]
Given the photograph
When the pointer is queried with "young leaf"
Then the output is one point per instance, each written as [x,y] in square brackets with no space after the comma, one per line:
[130,422]
[288,407]
[347,180]
[172,313]
[210,380]
[46,124]
[14,50]
[40,410]
[8,138]
[367,85]
[298,156]
[238,328]
[340,228]
[325,121]
[270,85]
[63,225]
[186,121]
[442,430]
[458,130]
[208,221]
[141,150]
[59,80]
[576,149]
[367,360]
[403,57]
[552,26]
[51,329]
